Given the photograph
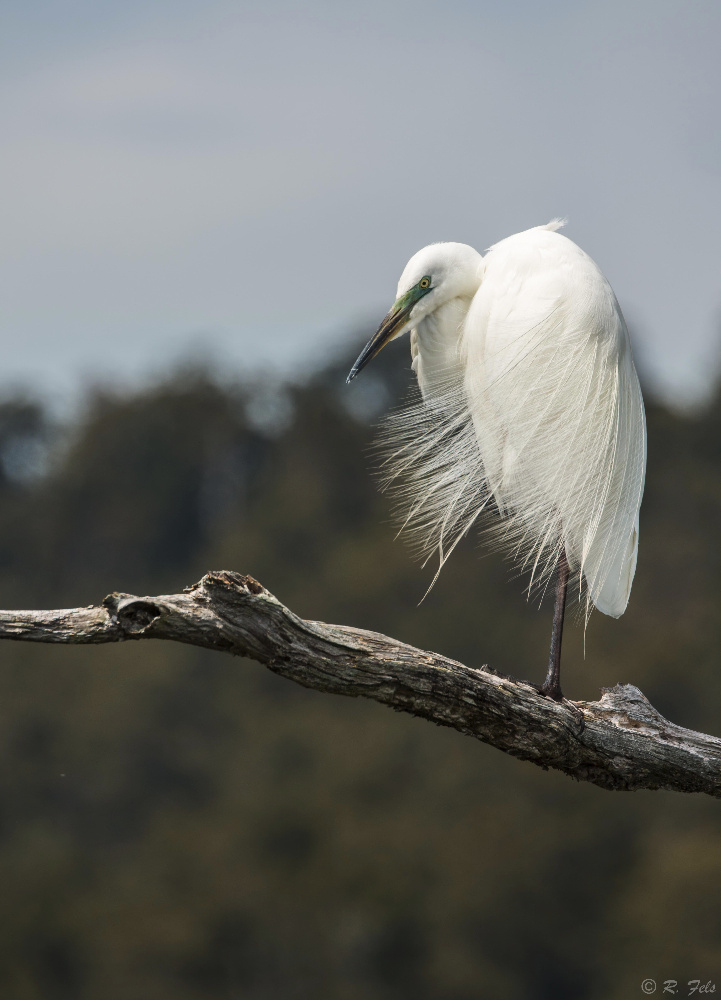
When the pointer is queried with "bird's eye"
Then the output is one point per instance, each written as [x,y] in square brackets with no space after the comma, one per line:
[425,282]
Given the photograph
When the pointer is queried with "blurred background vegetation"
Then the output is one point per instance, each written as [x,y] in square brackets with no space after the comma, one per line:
[177,825]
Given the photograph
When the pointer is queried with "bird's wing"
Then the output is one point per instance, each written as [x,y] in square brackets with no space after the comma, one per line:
[557,412]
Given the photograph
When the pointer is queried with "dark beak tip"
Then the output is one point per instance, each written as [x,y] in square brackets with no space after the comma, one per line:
[393,321]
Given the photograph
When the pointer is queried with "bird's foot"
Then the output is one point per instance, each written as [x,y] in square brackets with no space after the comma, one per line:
[552,690]
[557,695]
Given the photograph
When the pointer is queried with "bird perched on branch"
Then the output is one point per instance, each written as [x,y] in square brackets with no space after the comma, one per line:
[530,408]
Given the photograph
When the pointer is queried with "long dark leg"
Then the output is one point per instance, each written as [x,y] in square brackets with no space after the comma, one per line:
[552,684]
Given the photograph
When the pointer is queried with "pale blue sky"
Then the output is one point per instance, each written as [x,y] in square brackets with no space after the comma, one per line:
[252,177]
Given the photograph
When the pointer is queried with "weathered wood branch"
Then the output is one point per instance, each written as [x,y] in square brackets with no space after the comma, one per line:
[620,742]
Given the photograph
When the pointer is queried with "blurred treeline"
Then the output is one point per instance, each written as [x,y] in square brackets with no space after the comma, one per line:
[178,825]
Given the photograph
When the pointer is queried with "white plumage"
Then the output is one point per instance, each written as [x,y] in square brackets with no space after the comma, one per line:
[530,404]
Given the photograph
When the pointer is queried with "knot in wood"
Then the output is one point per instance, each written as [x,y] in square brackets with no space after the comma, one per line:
[136,615]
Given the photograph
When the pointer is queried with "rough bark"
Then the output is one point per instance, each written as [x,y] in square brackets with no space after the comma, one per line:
[620,742]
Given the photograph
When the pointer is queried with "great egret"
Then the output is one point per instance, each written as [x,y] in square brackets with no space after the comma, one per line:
[530,405]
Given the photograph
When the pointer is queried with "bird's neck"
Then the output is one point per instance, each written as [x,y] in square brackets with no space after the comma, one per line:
[434,345]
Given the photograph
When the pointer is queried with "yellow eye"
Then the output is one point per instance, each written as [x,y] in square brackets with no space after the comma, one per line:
[425,282]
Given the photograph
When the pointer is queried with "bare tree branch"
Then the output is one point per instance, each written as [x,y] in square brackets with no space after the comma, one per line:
[620,742]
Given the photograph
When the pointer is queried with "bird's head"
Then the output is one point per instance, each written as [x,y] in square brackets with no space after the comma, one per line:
[433,276]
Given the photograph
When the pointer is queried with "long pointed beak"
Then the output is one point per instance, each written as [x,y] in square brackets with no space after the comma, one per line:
[391,326]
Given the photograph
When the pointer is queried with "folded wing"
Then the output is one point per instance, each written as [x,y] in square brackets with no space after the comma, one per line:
[558,413]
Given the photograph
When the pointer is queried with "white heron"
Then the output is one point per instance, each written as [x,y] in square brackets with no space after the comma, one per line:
[530,406]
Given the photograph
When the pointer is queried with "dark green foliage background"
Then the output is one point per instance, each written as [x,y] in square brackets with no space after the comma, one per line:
[176,824]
